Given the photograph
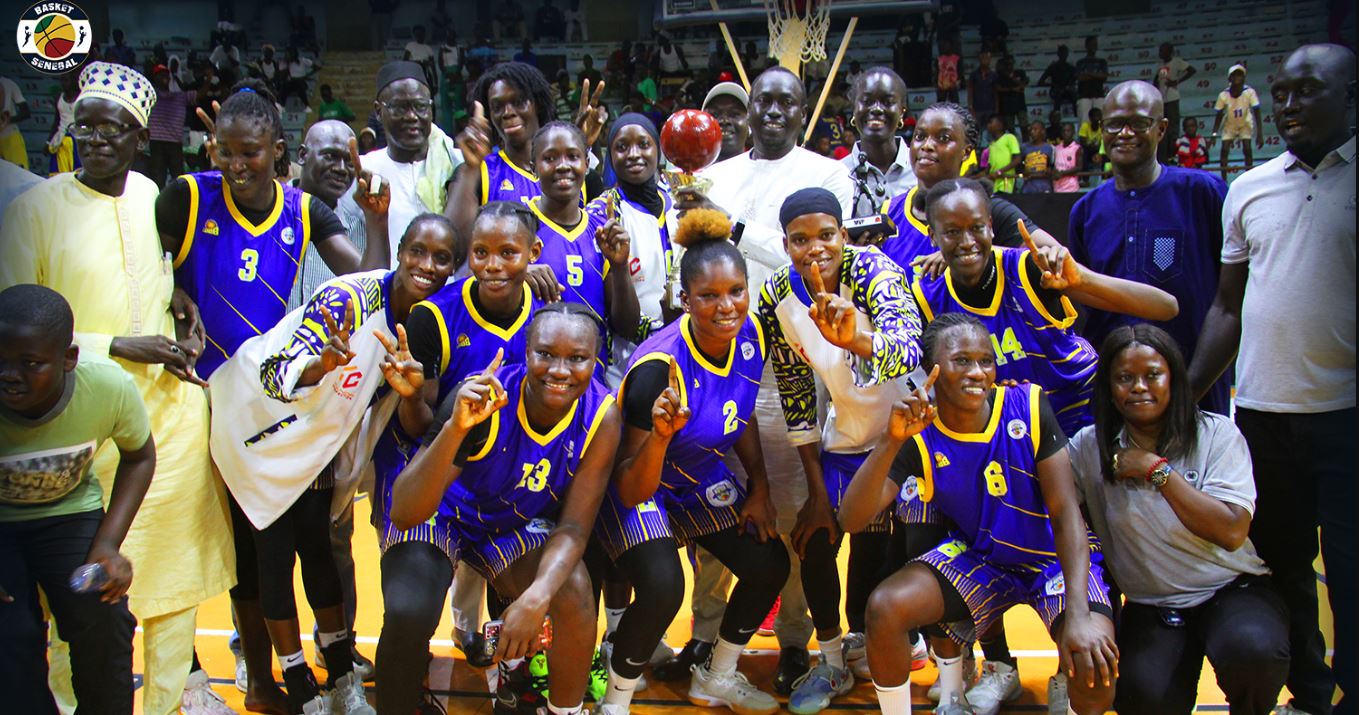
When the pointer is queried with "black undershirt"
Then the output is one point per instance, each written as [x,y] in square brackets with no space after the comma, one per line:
[1051,439]
[981,295]
[422,332]
[172,213]
[645,383]
[471,444]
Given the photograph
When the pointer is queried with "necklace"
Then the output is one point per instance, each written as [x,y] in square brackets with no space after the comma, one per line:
[1137,444]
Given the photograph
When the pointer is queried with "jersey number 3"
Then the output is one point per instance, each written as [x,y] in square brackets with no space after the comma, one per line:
[250,258]
[535,475]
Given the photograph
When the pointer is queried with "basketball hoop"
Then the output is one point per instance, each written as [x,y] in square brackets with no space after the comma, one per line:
[797,31]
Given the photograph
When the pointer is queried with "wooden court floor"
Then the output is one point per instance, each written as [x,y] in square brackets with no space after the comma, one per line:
[463,689]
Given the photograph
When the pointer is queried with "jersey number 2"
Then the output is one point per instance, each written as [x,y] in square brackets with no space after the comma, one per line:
[995,480]
[250,258]
[535,475]
[731,422]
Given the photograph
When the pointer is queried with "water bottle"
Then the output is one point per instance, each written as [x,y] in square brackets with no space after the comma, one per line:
[89,578]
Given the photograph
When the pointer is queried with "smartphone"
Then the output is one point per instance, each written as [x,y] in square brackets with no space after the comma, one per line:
[860,228]
[490,632]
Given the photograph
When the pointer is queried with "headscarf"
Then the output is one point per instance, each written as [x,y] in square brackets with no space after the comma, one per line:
[813,200]
[645,194]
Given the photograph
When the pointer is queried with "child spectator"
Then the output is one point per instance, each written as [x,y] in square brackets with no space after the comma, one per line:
[1038,161]
[1067,160]
[1172,72]
[1238,117]
[1090,134]
[55,411]
[1002,155]
[946,79]
[1191,150]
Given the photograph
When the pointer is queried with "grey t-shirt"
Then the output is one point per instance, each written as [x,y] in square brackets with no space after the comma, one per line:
[1153,556]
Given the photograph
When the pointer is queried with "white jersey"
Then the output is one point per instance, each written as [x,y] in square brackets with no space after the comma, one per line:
[649,265]
[270,438]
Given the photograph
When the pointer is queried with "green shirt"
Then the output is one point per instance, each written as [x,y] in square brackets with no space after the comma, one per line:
[335,110]
[45,463]
[1003,150]
[647,88]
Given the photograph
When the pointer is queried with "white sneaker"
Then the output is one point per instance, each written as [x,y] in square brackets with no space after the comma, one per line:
[606,652]
[856,655]
[662,653]
[347,697]
[999,684]
[920,653]
[1288,709]
[362,665]
[611,709]
[200,699]
[1058,700]
[319,705]
[711,690]
[969,675]
[242,675]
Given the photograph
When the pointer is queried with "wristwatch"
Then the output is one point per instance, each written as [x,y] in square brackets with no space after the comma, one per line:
[1159,475]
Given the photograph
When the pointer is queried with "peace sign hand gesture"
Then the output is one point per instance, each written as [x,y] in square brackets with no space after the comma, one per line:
[668,414]
[832,313]
[1067,273]
[614,243]
[480,397]
[210,143]
[336,352]
[370,192]
[403,372]
[591,117]
[913,414]
[475,139]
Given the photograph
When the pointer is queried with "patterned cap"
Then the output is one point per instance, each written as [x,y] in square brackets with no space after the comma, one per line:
[119,84]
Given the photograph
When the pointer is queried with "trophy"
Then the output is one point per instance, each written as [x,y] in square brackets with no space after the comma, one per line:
[690,140]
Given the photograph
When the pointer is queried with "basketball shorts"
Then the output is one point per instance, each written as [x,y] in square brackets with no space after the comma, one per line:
[837,471]
[703,511]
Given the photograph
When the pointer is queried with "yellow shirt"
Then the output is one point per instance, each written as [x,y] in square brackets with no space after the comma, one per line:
[103,255]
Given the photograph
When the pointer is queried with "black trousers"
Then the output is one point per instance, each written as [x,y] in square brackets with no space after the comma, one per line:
[1304,480]
[1243,630]
[166,158]
[1166,150]
[415,581]
[44,552]
[303,532]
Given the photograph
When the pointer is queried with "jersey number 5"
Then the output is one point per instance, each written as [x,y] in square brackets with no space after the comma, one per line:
[250,258]
[995,480]
[731,422]
[574,275]
[535,475]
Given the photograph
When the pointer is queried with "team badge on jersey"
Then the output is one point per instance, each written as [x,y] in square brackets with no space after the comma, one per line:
[722,493]
[539,526]
[506,185]
[1017,429]
[288,235]
[940,460]
[210,227]
[1055,586]
[464,341]
[910,489]
[747,350]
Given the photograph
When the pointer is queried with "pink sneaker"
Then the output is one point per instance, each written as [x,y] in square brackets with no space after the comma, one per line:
[767,627]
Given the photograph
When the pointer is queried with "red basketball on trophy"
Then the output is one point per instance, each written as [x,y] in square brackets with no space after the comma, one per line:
[691,139]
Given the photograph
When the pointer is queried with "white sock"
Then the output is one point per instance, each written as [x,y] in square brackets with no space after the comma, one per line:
[620,689]
[832,652]
[571,710]
[895,700]
[513,663]
[325,640]
[950,677]
[725,655]
[611,618]
[1070,710]
[290,661]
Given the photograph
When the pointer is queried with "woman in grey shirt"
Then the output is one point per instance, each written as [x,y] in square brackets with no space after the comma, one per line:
[1169,492]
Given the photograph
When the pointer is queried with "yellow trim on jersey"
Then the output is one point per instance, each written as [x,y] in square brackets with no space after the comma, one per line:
[571,235]
[920,301]
[698,354]
[267,223]
[526,174]
[652,357]
[444,349]
[190,229]
[490,439]
[989,310]
[919,225]
[485,183]
[1067,308]
[1034,392]
[306,236]
[985,435]
[488,326]
[359,312]
[759,330]
[594,424]
[925,489]
[544,439]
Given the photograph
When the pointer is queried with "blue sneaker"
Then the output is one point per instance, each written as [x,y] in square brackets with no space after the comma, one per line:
[813,692]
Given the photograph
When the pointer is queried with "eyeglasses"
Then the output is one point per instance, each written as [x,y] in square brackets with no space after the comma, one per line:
[1139,125]
[107,130]
[418,107]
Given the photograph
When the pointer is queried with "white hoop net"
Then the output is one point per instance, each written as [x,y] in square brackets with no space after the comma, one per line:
[797,37]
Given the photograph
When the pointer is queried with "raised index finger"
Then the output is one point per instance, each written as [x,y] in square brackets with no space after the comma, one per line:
[584,95]
[348,315]
[331,327]
[354,156]
[1028,242]
[929,381]
[673,378]
[495,364]
[818,286]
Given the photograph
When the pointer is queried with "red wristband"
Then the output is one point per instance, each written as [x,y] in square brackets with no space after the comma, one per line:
[1155,466]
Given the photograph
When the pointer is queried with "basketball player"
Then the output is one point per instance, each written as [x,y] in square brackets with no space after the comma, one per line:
[454,333]
[1024,297]
[991,460]
[514,468]
[688,398]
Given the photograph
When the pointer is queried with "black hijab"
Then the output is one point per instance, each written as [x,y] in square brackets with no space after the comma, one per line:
[644,194]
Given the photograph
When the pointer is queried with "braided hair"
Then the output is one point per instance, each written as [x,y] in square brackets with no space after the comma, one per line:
[934,332]
[970,129]
[253,100]
[571,311]
[526,80]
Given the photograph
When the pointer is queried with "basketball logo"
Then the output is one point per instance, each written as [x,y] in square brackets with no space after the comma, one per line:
[54,37]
